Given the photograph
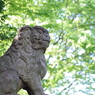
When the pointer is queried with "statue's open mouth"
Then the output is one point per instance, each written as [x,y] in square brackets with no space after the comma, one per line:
[46,40]
[42,39]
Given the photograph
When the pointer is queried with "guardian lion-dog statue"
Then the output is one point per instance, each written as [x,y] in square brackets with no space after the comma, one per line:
[24,64]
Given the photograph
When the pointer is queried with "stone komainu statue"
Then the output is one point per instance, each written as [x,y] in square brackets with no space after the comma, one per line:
[24,64]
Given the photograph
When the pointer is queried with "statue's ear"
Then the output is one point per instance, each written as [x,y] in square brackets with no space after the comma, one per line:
[25,28]
[24,32]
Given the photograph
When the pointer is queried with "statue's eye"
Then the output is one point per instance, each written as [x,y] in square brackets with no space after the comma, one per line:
[46,34]
[40,31]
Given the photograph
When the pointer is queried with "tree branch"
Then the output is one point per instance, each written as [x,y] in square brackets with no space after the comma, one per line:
[67,87]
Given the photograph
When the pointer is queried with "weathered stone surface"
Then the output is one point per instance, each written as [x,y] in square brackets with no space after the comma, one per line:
[24,64]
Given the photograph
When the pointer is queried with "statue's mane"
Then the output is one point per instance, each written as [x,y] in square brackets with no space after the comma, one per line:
[22,38]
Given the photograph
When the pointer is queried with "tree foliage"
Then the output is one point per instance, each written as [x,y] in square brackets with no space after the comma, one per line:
[71,55]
